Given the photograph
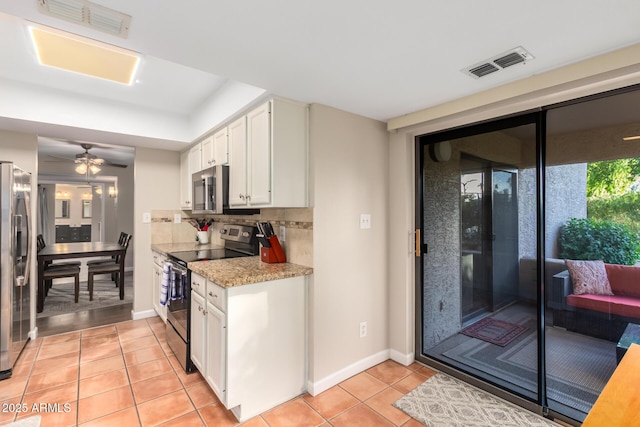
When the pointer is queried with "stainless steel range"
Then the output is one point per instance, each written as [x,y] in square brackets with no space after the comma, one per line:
[239,241]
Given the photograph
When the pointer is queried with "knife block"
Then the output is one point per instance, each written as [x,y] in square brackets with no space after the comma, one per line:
[274,254]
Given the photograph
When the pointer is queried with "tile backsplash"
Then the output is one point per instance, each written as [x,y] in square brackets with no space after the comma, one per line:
[298,223]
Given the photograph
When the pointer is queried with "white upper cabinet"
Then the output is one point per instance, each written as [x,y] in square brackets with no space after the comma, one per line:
[215,149]
[221,147]
[259,156]
[238,162]
[185,181]
[195,159]
[190,163]
[271,168]
[208,156]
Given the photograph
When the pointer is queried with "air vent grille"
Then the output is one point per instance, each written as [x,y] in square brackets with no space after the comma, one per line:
[483,70]
[512,57]
[509,60]
[89,14]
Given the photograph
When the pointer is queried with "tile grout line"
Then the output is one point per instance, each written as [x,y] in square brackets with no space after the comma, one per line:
[126,369]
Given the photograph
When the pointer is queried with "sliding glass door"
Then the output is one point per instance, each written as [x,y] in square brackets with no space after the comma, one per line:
[500,207]
[478,211]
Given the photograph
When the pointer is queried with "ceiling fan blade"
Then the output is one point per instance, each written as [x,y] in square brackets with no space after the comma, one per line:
[117,165]
[61,158]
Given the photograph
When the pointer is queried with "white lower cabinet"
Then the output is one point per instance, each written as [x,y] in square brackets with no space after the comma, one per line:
[252,351]
[198,331]
[215,372]
[158,264]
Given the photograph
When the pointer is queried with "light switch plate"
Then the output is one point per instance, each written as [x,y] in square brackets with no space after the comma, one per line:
[365,221]
[146,217]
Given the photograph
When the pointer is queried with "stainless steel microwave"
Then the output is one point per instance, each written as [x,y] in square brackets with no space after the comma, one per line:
[210,190]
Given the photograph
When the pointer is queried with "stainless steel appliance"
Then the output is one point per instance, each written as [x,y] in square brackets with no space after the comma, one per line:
[239,241]
[15,251]
[211,190]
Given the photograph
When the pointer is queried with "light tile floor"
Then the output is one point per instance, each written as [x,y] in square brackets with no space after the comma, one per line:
[126,375]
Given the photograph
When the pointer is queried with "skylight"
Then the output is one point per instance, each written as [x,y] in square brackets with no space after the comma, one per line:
[71,52]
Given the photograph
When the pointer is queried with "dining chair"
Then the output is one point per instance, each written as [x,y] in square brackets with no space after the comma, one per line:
[121,239]
[59,271]
[40,244]
[108,267]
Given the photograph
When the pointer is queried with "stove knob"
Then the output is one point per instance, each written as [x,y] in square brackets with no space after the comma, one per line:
[223,231]
[245,234]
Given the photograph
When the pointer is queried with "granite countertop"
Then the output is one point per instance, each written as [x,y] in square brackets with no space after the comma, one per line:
[165,248]
[232,272]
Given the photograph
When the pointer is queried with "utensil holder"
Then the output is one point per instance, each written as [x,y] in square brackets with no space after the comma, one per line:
[203,237]
[274,254]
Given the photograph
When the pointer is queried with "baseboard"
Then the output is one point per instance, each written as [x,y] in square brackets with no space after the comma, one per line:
[403,359]
[136,315]
[315,388]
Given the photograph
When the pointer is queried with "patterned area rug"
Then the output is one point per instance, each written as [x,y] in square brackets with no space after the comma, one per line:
[443,401]
[578,366]
[494,331]
[105,294]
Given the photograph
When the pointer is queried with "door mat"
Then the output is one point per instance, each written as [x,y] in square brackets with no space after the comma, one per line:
[496,332]
[443,401]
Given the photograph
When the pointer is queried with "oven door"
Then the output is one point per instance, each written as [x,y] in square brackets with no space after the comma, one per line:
[178,321]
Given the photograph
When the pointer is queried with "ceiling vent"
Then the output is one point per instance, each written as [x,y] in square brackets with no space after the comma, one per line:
[512,57]
[89,14]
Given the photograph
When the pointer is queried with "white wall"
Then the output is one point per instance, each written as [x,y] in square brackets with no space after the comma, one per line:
[21,149]
[349,285]
[157,187]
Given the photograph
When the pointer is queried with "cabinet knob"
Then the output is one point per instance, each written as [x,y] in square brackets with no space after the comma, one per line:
[242,196]
[248,197]
[212,295]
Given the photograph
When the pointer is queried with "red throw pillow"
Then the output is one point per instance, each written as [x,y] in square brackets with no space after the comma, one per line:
[589,277]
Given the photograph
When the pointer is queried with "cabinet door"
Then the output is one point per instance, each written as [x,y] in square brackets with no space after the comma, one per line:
[238,162]
[157,289]
[259,155]
[198,331]
[208,156]
[195,159]
[216,365]
[185,181]
[220,147]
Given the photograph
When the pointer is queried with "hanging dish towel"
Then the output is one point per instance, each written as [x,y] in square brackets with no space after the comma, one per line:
[167,278]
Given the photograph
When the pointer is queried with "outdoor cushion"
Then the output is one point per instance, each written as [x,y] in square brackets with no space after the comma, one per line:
[589,277]
[612,304]
[624,279]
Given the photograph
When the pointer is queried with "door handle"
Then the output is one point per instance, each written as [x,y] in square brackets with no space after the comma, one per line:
[418,242]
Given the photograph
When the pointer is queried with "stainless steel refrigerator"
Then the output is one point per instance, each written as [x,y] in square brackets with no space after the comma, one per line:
[15,261]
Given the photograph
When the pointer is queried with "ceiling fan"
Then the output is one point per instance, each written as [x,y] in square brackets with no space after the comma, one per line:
[89,163]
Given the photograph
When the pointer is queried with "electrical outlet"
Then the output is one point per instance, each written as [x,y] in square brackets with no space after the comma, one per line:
[363,329]
[177,218]
[365,221]
[281,233]
[146,217]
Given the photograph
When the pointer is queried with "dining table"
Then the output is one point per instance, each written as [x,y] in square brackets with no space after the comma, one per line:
[59,251]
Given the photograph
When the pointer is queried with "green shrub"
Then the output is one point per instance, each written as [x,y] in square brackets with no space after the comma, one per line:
[624,209]
[588,239]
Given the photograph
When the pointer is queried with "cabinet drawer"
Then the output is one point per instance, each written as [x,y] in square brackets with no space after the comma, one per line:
[216,296]
[159,259]
[198,284]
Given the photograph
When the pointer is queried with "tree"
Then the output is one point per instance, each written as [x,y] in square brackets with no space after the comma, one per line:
[611,177]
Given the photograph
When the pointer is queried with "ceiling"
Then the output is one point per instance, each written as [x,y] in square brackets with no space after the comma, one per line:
[378,59]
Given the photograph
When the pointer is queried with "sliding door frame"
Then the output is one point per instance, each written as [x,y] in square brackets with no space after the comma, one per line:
[422,142]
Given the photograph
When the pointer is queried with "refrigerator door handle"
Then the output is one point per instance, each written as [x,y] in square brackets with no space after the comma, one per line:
[24,279]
